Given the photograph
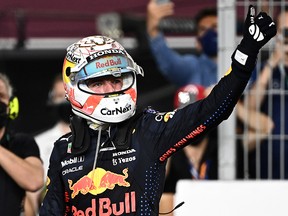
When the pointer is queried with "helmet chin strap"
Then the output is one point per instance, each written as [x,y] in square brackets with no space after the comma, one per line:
[96,125]
[80,135]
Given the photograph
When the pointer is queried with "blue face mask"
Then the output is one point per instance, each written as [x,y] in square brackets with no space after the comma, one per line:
[209,43]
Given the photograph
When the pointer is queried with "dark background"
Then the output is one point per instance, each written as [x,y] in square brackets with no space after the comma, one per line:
[32,71]
[74,18]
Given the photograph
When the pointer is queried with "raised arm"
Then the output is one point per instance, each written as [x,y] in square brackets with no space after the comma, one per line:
[219,104]
[257,32]
[155,13]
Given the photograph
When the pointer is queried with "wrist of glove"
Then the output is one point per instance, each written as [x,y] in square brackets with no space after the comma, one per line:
[257,32]
[245,58]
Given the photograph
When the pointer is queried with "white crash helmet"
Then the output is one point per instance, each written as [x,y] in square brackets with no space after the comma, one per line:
[97,57]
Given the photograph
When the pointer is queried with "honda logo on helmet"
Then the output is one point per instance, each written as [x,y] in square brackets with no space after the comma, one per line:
[105,52]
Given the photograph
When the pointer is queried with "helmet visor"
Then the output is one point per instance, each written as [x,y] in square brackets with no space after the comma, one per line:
[101,66]
[107,84]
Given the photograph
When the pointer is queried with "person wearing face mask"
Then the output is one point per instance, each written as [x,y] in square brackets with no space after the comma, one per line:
[189,68]
[60,109]
[57,105]
[20,165]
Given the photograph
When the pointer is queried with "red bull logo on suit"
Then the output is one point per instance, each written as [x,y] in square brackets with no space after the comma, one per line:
[107,208]
[97,181]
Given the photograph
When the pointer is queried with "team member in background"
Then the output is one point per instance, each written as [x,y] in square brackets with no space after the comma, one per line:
[61,108]
[113,162]
[20,165]
[198,68]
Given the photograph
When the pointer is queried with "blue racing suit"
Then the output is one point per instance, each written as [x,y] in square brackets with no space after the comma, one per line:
[130,181]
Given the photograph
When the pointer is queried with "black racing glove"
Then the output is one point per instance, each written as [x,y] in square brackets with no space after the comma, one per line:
[257,32]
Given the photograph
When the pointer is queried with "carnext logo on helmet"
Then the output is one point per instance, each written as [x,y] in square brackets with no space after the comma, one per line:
[104,52]
[116,111]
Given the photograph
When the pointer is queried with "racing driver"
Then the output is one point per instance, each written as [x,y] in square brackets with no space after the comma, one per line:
[113,160]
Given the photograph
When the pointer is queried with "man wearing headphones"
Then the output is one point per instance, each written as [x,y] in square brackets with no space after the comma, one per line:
[20,165]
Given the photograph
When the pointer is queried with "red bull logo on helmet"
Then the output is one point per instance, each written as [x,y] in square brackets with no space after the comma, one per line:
[97,181]
[105,63]
[108,63]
